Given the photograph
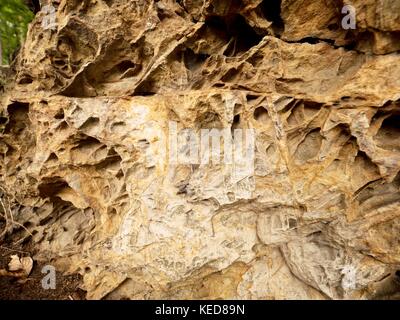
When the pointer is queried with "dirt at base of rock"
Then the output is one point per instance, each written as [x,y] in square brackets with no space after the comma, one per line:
[67,286]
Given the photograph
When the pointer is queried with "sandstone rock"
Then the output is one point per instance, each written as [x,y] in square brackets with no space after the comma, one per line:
[86,148]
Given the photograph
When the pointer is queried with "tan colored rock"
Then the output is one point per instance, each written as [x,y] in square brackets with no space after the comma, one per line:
[86,148]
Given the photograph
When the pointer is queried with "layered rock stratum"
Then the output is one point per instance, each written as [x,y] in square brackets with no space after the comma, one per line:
[85,139]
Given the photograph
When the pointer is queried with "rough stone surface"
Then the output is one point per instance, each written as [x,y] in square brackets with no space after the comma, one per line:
[84,148]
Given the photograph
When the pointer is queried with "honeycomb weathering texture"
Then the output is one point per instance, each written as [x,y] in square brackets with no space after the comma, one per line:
[85,139]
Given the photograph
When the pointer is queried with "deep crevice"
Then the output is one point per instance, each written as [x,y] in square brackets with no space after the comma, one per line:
[271,10]
[235,29]
[51,187]
[192,60]
[18,118]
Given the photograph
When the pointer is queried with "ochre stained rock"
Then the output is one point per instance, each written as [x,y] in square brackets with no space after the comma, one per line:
[85,148]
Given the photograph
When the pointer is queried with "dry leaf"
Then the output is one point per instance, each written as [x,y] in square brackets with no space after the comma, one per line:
[27,265]
[24,264]
[15,264]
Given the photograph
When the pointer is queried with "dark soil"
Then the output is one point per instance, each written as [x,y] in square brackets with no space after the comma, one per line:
[11,288]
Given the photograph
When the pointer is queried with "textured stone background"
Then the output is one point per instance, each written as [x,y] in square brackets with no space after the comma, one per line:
[83,124]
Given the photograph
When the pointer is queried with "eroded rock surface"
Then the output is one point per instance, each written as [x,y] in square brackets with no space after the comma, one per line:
[84,148]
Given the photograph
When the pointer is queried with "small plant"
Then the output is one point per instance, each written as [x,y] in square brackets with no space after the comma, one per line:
[14,19]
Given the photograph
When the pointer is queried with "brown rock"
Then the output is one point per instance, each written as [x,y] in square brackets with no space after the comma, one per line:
[86,148]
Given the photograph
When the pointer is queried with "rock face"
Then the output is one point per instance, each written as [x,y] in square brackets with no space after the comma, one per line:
[87,140]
